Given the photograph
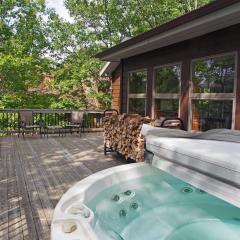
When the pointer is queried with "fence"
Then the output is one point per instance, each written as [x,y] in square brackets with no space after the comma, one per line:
[9,118]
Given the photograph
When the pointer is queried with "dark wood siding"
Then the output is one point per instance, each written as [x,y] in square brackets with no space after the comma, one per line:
[222,41]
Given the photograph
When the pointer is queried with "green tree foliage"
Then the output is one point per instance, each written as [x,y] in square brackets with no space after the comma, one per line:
[36,42]
[190,5]
[108,22]
[75,79]
[22,48]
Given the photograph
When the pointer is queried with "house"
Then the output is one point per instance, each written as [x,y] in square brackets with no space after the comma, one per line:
[188,67]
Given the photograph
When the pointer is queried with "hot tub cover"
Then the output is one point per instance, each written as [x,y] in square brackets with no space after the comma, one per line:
[214,156]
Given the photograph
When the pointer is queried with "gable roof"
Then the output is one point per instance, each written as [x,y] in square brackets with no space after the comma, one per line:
[211,17]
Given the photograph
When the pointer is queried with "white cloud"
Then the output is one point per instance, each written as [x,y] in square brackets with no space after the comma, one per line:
[59,7]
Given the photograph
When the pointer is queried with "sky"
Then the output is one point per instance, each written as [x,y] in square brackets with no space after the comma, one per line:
[59,7]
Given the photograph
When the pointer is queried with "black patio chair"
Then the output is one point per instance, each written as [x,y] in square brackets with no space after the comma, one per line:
[26,123]
[76,122]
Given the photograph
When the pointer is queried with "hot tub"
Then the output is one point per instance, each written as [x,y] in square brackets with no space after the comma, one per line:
[139,201]
[183,193]
[73,217]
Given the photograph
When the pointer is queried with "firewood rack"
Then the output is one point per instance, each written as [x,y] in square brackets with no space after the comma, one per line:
[108,111]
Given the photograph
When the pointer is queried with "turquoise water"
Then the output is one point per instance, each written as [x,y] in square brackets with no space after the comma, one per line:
[163,207]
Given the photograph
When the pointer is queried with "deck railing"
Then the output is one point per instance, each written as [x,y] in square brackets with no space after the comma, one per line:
[10,120]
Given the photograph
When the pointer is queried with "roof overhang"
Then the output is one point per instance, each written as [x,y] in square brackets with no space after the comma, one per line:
[207,19]
[108,68]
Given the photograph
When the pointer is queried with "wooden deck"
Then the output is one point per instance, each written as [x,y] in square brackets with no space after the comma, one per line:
[34,174]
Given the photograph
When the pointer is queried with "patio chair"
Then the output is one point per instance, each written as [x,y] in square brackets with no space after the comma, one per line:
[76,122]
[26,123]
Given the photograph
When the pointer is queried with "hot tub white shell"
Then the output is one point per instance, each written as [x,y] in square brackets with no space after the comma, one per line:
[84,191]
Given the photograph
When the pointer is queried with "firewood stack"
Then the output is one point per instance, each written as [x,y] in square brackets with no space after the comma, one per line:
[122,133]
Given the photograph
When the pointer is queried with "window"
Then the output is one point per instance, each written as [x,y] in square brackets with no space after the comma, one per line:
[212,93]
[166,108]
[167,91]
[137,92]
[214,75]
[137,105]
[211,114]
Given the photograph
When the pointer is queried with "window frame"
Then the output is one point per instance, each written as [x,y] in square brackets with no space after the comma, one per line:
[213,96]
[166,96]
[137,95]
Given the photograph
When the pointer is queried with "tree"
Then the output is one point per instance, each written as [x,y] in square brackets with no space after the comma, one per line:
[22,48]
[36,42]
[190,5]
[107,22]
[78,83]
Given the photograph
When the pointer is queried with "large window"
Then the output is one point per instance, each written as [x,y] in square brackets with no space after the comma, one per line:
[211,114]
[212,93]
[167,90]
[137,92]
[166,108]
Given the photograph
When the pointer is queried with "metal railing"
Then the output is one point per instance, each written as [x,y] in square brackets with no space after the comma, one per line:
[10,120]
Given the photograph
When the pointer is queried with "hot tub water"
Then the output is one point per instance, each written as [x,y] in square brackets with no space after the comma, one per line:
[162,207]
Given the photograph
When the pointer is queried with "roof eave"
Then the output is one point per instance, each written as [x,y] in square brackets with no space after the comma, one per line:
[108,68]
[212,17]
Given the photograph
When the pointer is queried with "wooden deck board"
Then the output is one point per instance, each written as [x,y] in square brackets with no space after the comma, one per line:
[4,193]
[14,210]
[35,173]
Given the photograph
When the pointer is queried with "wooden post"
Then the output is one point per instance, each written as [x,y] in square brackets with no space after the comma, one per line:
[237,113]
[149,97]
[184,99]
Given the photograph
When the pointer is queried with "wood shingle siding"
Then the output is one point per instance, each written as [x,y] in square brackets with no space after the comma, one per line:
[116,88]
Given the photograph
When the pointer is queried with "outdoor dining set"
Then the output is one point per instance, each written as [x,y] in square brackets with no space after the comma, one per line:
[72,122]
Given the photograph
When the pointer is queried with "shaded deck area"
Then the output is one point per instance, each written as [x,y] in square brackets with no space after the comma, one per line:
[34,174]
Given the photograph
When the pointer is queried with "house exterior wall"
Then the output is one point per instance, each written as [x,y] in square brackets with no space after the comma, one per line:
[219,42]
[116,88]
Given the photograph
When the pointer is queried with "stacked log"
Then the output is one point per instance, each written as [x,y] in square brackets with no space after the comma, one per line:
[122,133]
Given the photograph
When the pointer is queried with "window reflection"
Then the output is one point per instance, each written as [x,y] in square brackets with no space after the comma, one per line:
[214,75]
[210,114]
[167,88]
[137,82]
[167,79]
[165,108]
[137,92]
[137,106]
